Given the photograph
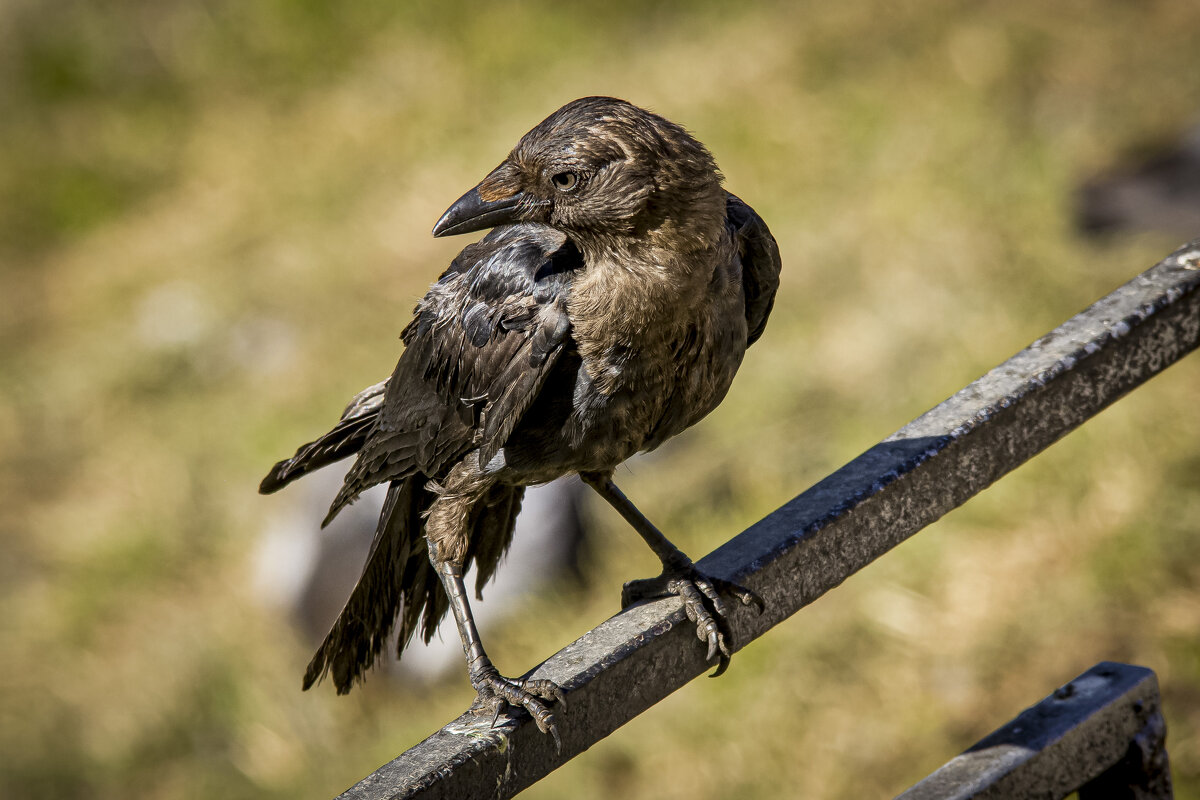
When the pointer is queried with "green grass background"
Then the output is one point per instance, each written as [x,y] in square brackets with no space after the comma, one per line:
[214,222]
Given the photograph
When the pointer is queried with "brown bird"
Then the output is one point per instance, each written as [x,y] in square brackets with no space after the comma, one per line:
[606,311]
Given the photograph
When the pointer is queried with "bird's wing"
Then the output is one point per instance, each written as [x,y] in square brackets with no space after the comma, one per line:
[760,264]
[346,439]
[476,354]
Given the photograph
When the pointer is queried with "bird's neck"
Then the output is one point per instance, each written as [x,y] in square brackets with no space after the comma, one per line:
[633,287]
[652,282]
[636,272]
[672,239]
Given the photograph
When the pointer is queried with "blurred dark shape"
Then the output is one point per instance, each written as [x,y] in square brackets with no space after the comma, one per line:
[1157,190]
[309,572]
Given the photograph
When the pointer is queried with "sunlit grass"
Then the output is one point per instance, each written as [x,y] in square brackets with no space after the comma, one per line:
[215,222]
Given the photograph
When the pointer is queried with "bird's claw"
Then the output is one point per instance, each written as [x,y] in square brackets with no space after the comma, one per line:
[496,694]
[702,602]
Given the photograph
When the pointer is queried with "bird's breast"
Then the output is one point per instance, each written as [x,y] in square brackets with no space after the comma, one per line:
[655,349]
[648,382]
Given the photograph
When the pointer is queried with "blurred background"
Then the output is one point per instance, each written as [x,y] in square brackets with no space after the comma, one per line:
[214,223]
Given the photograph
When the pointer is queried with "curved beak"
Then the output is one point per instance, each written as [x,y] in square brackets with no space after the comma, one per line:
[472,213]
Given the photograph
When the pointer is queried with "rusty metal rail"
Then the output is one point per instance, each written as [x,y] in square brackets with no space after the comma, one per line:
[1102,735]
[930,466]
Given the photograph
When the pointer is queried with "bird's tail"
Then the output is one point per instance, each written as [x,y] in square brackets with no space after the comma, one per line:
[399,585]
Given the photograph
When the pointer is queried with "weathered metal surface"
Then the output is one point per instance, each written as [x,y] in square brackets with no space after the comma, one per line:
[813,543]
[1103,731]
[1143,774]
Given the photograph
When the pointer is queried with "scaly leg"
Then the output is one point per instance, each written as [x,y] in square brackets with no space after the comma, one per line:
[495,692]
[701,593]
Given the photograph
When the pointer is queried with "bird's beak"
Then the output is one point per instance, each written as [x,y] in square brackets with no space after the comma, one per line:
[489,204]
[472,213]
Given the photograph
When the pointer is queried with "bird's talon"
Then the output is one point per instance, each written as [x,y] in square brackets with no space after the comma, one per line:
[547,690]
[496,694]
[749,598]
[500,706]
[702,603]
[721,667]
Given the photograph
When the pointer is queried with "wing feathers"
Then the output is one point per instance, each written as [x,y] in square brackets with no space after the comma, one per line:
[760,264]
[477,353]
[346,439]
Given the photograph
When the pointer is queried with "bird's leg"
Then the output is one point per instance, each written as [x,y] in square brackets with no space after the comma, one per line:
[495,692]
[700,593]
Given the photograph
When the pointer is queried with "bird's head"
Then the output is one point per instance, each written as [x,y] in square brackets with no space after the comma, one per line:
[599,169]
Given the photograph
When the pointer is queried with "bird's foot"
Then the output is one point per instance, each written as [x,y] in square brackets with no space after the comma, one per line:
[702,602]
[497,693]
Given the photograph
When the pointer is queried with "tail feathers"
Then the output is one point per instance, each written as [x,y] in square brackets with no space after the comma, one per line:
[399,585]
[367,472]
[346,439]
[492,524]
[397,582]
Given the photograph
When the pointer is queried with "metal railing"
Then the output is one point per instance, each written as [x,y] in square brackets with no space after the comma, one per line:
[790,558]
[1102,735]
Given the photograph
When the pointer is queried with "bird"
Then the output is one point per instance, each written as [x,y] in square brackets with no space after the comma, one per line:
[1156,188]
[607,310]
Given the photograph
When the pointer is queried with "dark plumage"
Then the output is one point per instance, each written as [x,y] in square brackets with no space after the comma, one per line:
[607,310]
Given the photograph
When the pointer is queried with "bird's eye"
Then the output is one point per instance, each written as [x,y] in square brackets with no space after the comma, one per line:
[565,181]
